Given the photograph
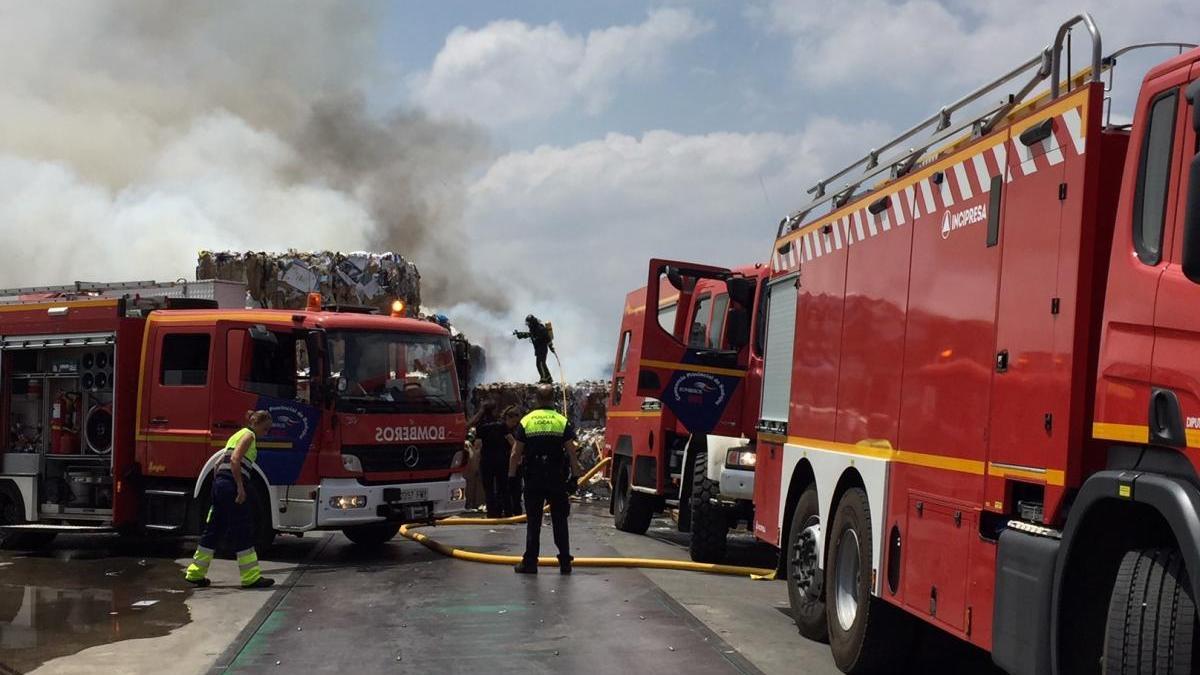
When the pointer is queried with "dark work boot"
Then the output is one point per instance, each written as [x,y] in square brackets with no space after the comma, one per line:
[261,582]
[524,567]
[564,564]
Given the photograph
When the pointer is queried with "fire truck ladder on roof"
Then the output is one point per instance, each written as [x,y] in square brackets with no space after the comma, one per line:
[81,287]
[1045,64]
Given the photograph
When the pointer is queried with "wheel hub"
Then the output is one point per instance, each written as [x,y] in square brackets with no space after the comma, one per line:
[846,572]
[805,567]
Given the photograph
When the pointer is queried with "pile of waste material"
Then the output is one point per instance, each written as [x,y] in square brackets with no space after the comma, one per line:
[284,280]
[587,402]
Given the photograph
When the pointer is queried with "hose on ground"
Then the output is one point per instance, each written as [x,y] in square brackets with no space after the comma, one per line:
[408,531]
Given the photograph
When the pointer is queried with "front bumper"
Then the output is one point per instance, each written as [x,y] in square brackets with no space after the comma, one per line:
[439,497]
[737,484]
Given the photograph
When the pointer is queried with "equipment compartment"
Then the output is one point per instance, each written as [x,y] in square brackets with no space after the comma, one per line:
[58,397]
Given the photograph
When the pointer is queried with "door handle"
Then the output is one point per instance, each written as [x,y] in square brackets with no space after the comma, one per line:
[225,424]
[158,421]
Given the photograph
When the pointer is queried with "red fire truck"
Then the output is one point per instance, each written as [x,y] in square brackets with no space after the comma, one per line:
[368,430]
[981,388]
[703,465]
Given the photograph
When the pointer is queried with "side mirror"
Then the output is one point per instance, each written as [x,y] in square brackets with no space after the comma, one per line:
[737,328]
[741,290]
[684,283]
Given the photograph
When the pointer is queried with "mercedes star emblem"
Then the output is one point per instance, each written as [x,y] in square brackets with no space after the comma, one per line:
[412,456]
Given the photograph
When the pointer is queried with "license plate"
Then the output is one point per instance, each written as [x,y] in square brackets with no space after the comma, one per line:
[405,495]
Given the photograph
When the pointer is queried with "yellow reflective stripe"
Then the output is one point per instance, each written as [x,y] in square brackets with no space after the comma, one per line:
[246,557]
[693,368]
[633,413]
[971,466]
[1128,433]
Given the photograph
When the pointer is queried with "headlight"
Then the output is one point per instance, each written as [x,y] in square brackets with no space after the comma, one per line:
[351,463]
[741,458]
[458,460]
[458,495]
[348,502]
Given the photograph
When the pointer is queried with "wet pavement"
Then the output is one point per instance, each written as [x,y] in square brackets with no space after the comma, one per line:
[68,600]
[425,614]
[104,604]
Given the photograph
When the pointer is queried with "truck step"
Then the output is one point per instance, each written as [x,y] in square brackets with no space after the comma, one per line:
[46,527]
[162,528]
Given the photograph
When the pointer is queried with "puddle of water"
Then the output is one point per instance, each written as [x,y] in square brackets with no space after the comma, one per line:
[51,607]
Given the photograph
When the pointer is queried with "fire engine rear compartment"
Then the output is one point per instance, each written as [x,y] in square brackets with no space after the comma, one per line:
[58,401]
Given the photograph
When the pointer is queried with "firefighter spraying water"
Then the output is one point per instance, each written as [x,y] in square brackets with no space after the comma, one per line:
[542,337]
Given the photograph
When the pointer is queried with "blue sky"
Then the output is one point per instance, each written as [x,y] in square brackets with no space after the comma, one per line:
[706,133]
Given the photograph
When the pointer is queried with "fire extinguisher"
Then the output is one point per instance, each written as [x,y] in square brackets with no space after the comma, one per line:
[64,424]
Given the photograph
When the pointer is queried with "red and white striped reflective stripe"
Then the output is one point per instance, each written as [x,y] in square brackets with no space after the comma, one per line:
[959,182]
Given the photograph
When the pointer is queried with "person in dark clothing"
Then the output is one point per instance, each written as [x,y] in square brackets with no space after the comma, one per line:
[542,337]
[545,447]
[494,441]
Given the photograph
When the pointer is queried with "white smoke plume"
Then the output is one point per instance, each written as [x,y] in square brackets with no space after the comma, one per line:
[135,134]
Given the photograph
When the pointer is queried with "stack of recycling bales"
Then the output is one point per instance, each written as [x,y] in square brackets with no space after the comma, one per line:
[284,280]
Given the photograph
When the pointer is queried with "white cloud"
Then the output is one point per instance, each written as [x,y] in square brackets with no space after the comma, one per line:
[929,46]
[580,222]
[510,71]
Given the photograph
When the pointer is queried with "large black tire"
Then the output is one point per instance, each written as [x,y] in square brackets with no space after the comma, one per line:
[1151,628]
[375,534]
[11,514]
[632,511]
[805,582]
[866,635]
[710,526]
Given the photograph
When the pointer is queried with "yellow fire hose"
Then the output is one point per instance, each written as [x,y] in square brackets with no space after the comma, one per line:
[496,559]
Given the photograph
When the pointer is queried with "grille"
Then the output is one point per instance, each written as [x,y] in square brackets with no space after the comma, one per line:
[391,458]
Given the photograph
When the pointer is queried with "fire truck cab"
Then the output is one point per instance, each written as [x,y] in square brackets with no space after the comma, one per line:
[368,426]
[681,439]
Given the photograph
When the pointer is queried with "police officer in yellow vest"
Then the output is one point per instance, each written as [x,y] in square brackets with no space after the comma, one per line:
[545,446]
[230,514]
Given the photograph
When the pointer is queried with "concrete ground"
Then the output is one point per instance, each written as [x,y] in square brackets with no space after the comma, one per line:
[101,604]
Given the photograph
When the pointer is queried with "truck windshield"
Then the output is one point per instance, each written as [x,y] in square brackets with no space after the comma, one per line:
[393,372]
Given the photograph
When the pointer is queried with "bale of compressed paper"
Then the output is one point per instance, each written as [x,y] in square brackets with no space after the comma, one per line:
[284,280]
[587,402]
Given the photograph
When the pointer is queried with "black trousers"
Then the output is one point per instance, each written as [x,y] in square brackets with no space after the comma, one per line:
[543,371]
[496,491]
[536,497]
[228,519]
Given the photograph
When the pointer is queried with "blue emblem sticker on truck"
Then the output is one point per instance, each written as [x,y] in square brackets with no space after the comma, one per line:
[699,399]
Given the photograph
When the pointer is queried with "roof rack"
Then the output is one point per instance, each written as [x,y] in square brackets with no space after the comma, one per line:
[1047,63]
[81,287]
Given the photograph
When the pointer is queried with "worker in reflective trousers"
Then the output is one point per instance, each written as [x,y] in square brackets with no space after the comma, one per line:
[230,514]
[544,444]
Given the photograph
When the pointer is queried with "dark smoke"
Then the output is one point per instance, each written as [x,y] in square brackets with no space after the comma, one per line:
[137,133]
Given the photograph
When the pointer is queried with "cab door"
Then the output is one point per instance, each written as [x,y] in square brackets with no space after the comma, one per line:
[1169,193]
[265,368]
[698,373]
[174,424]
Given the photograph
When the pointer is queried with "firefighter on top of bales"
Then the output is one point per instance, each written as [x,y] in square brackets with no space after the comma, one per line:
[542,336]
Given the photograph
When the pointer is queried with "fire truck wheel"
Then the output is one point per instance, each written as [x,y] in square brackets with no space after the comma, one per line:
[10,514]
[375,534]
[866,635]
[632,511]
[1151,616]
[806,583]
[710,527]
